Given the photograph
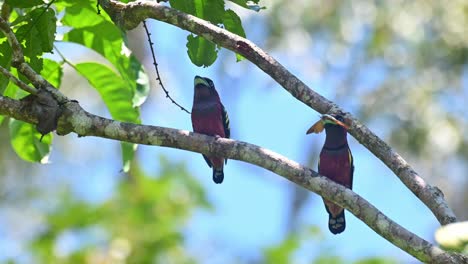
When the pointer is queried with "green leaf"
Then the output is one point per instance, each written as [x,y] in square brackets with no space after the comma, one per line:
[142,86]
[1,119]
[112,47]
[211,10]
[233,23]
[45,22]
[11,91]
[118,98]
[81,14]
[284,252]
[25,142]
[113,90]
[52,72]
[24,3]
[123,91]
[128,152]
[201,51]
[186,6]
[5,60]
[39,32]
[328,259]
[376,260]
[37,36]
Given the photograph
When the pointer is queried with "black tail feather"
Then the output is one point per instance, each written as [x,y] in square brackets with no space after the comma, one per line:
[337,224]
[218,175]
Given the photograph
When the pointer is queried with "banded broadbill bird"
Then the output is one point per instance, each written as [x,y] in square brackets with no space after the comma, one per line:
[209,117]
[335,163]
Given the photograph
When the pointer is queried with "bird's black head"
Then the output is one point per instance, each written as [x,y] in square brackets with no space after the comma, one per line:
[204,87]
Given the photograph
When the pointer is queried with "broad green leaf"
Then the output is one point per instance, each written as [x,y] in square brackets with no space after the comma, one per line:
[122,91]
[12,90]
[142,86]
[52,72]
[113,90]
[1,119]
[186,6]
[5,60]
[45,22]
[328,259]
[82,14]
[24,3]
[232,22]
[112,47]
[25,142]
[39,32]
[128,152]
[37,36]
[376,260]
[118,98]
[201,51]
[211,10]
[284,252]
[32,47]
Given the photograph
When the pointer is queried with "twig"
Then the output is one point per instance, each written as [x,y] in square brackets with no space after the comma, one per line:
[158,77]
[64,59]
[97,7]
[17,81]
[5,12]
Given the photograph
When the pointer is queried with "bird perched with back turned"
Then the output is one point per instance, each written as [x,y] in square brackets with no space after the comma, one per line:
[209,117]
[335,163]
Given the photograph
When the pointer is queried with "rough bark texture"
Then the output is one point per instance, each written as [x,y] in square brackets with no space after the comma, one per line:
[130,15]
[75,119]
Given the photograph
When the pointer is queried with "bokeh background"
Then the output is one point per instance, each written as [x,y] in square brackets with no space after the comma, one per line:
[399,66]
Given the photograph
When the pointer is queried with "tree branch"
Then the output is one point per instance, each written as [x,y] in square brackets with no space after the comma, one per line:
[17,81]
[129,15]
[19,63]
[75,119]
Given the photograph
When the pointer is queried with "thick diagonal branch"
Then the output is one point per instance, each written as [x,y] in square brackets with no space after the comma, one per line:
[75,119]
[130,15]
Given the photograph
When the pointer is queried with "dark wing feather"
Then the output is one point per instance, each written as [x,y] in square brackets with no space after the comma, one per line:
[208,161]
[227,128]
[351,162]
